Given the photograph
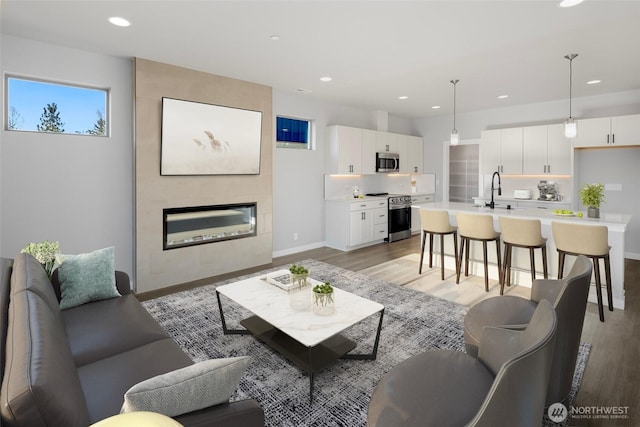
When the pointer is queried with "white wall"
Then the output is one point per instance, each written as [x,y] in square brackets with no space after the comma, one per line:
[437,129]
[75,189]
[298,181]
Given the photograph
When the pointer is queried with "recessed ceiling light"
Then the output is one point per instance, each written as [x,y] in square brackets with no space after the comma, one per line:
[435,107]
[403,97]
[570,3]
[302,90]
[274,37]
[503,96]
[119,22]
[593,82]
[325,79]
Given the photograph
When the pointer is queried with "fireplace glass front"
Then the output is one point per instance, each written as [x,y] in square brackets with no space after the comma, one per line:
[207,224]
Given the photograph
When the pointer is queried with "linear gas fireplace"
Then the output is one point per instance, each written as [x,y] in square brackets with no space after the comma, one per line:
[208,224]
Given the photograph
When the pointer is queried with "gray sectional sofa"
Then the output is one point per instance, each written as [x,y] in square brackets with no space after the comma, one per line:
[72,367]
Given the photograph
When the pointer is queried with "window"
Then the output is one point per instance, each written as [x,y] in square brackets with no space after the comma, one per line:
[47,107]
[293,133]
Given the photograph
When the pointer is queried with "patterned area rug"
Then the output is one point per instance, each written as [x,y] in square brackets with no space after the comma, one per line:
[413,322]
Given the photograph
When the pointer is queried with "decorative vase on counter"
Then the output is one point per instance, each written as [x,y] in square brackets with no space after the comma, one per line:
[593,212]
[300,292]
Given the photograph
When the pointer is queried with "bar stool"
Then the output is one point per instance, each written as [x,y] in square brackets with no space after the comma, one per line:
[522,233]
[479,228]
[591,241]
[437,222]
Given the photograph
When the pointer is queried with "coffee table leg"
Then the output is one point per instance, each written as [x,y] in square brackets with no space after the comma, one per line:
[310,389]
[374,353]
[224,323]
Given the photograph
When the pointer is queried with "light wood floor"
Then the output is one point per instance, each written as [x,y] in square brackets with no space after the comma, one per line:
[612,376]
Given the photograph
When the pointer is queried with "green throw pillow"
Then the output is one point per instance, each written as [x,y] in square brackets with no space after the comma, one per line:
[87,277]
[197,386]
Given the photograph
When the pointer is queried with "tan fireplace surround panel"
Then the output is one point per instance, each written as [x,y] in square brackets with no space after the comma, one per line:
[157,268]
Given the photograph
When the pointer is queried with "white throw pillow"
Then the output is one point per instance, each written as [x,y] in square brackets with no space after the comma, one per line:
[188,389]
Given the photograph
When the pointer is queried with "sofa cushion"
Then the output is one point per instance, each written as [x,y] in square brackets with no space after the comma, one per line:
[105,381]
[104,328]
[194,387]
[40,385]
[87,277]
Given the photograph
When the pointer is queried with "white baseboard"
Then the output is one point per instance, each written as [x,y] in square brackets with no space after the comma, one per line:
[632,255]
[297,249]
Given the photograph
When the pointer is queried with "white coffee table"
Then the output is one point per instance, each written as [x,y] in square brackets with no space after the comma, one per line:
[309,341]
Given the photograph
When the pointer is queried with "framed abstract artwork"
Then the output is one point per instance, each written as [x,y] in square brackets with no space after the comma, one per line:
[207,139]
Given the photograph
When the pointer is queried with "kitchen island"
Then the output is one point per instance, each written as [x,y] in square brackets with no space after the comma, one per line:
[616,224]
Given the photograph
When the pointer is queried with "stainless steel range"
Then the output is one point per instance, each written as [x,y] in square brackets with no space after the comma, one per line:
[399,222]
[399,217]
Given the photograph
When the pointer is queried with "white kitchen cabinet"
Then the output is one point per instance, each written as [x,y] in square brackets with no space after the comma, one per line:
[608,131]
[368,152]
[416,226]
[413,159]
[344,150]
[545,151]
[401,149]
[625,130]
[352,224]
[386,142]
[501,150]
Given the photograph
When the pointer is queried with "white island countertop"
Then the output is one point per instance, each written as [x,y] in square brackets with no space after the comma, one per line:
[615,221]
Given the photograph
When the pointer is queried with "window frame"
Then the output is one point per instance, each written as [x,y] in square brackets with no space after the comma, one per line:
[310,145]
[7,112]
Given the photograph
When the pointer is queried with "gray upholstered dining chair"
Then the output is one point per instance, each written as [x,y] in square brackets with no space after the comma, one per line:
[568,297]
[506,384]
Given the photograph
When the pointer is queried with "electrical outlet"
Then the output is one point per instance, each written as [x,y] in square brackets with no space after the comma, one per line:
[295,236]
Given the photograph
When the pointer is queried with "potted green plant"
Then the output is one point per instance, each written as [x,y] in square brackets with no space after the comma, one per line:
[323,302]
[299,292]
[45,252]
[592,195]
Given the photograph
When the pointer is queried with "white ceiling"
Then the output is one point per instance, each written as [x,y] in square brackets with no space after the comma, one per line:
[375,51]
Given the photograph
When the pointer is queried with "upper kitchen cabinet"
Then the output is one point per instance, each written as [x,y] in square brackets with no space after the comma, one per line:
[368,151]
[344,150]
[608,131]
[386,142]
[545,151]
[501,151]
[413,159]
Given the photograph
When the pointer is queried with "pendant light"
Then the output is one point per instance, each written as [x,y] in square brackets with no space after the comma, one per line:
[570,126]
[455,138]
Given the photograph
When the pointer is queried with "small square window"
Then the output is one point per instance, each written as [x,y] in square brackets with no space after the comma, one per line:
[293,133]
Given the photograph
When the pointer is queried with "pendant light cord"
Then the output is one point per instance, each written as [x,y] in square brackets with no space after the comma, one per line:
[570,57]
[454,102]
[570,84]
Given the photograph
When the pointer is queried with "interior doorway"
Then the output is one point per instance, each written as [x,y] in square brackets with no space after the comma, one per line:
[464,172]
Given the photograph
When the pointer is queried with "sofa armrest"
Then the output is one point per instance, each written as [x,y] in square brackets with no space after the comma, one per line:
[123,283]
[242,413]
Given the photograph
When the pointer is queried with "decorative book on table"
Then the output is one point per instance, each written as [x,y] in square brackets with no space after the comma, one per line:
[282,279]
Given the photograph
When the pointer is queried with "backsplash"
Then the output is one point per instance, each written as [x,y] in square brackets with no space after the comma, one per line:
[341,186]
[511,183]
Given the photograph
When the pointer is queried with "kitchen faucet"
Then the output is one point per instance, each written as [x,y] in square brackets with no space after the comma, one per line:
[492,204]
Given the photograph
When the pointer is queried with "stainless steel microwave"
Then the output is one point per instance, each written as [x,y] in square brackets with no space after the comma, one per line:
[387,162]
